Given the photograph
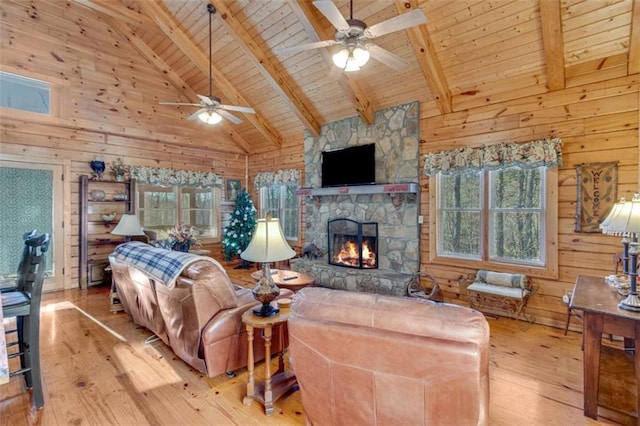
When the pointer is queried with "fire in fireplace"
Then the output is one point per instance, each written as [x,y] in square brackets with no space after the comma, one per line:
[353,244]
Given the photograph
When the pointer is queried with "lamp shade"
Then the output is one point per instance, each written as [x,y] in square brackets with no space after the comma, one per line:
[210,117]
[268,243]
[128,225]
[624,217]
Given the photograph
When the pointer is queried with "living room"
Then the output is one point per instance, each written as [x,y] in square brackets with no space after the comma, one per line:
[487,75]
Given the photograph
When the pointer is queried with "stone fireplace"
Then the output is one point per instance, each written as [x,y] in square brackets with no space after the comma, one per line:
[393,203]
[352,244]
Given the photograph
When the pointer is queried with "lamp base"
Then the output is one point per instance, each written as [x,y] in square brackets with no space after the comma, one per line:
[631,303]
[265,311]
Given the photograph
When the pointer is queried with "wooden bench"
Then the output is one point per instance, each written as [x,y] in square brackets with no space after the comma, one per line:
[510,292]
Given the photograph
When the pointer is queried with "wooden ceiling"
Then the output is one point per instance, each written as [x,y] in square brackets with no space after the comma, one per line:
[470,53]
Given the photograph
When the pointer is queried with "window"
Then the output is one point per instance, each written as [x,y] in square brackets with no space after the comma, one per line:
[281,201]
[25,94]
[504,218]
[160,208]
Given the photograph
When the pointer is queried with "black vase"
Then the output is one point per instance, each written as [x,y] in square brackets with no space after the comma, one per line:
[98,168]
[183,247]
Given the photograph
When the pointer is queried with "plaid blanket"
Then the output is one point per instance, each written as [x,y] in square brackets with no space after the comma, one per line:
[161,265]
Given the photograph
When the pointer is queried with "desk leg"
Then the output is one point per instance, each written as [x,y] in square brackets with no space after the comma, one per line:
[592,327]
[281,355]
[251,383]
[268,394]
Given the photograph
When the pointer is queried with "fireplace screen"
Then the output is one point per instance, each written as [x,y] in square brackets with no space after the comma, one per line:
[353,244]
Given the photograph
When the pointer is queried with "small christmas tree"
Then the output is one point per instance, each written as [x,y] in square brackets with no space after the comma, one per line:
[242,224]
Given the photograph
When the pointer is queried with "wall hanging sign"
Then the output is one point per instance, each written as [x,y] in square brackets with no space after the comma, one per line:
[597,184]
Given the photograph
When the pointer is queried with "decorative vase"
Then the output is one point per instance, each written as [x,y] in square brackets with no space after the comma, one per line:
[183,247]
[98,168]
[97,195]
[120,178]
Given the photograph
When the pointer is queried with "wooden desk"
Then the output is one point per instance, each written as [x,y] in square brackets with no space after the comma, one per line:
[281,382]
[291,280]
[602,315]
[4,360]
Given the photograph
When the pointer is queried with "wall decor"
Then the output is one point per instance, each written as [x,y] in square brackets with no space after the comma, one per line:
[597,186]
[233,189]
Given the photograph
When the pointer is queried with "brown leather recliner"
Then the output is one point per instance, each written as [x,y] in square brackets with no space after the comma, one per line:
[364,358]
[200,317]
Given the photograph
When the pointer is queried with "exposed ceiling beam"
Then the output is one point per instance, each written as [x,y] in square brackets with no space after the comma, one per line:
[552,41]
[117,10]
[278,81]
[165,22]
[427,58]
[307,15]
[176,81]
[634,40]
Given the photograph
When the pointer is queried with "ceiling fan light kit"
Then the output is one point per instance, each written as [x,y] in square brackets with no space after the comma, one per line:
[212,111]
[210,117]
[354,35]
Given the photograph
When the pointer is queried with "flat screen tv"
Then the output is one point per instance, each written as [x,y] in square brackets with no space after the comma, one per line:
[355,165]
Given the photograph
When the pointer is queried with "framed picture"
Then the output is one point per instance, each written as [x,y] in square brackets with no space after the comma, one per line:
[233,188]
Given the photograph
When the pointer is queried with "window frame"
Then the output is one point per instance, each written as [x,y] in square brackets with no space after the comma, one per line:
[282,208]
[58,89]
[177,190]
[550,267]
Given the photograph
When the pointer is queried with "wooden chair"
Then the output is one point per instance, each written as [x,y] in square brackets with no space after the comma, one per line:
[11,285]
[23,303]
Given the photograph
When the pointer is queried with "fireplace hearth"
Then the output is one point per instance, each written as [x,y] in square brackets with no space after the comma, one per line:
[353,244]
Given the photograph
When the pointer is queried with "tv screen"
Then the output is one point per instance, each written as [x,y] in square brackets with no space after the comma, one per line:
[355,165]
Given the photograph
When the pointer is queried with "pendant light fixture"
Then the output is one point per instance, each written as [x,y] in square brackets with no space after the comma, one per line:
[210,116]
[355,54]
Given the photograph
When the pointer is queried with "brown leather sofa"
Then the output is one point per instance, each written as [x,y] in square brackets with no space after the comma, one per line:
[364,359]
[199,317]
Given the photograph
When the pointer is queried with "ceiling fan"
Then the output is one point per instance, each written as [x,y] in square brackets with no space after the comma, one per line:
[354,36]
[211,109]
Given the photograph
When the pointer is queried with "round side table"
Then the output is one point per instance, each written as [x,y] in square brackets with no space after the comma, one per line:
[291,280]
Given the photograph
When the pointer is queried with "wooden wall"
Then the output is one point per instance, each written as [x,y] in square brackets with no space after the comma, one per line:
[106,104]
[598,122]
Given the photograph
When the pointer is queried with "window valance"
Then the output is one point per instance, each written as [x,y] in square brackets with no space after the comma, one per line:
[281,176]
[545,152]
[167,177]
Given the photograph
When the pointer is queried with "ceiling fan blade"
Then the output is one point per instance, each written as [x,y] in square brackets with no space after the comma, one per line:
[397,23]
[205,99]
[238,108]
[308,46]
[332,13]
[178,103]
[229,116]
[196,114]
[387,58]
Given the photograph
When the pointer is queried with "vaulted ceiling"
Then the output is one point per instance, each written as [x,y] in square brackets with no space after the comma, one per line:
[469,53]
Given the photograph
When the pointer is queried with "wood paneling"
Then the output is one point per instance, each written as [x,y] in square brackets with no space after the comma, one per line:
[597,122]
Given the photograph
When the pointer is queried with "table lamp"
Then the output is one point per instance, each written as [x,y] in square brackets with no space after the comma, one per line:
[625,220]
[267,245]
[128,226]
[606,229]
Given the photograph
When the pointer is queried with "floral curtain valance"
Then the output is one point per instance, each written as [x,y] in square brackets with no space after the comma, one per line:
[545,152]
[281,176]
[160,176]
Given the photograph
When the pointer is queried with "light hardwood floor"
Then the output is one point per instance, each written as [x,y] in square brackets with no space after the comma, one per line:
[98,370]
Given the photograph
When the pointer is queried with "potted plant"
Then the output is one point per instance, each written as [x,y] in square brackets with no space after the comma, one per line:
[118,170]
[182,238]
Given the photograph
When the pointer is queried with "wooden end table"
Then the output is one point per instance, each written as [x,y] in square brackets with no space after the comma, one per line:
[282,381]
[602,315]
[291,280]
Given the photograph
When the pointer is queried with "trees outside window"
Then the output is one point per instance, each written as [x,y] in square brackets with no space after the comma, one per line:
[495,217]
[160,208]
[282,201]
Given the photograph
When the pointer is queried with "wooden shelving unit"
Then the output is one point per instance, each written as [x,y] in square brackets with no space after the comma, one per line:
[96,241]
